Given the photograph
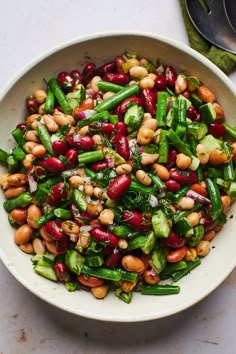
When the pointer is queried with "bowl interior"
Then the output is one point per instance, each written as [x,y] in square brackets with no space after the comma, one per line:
[99,49]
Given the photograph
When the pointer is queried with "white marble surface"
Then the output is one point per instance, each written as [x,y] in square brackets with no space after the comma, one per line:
[28,325]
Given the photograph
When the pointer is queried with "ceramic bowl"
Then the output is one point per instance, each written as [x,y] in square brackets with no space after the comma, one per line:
[101,48]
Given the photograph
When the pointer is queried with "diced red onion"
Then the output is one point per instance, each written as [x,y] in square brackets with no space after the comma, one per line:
[111,162]
[86,228]
[90,91]
[54,137]
[153,201]
[198,197]
[73,238]
[85,114]
[33,185]
[153,273]
[76,138]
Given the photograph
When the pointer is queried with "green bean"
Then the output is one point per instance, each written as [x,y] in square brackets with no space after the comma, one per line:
[228,168]
[214,194]
[90,157]
[49,103]
[90,173]
[163,147]
[3,156]
[60,96]
[109,86]
[178,143]
[45,138]
[113,118]
[18,153]
[129,276]
[159,184]
[160,289]
[18,135]
[62,213]
[162,98]
[190,266]
[117,98]
[104,273]
[12,164]
[230,130]
[19,202]
[126,297]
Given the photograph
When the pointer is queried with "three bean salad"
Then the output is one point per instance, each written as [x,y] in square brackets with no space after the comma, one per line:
[120,177]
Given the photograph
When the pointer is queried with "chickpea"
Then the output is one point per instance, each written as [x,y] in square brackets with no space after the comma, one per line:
[4,181]
[133,264]
[88,189]
[98,142]
[107,95]
[147,159]
[38,246]
[220,116]
[23,234]
[14,192]
[152,75]
[133,62]
[226,201]
[143,177]
[31,135]
[138,72]
[99,292]
[106,217]
[32,118]
[94,208]
[33,214]
[122,244]
[28,160]
[83,240]
[202,154]
[27,248]
[49,122]
[209,235]
[124,168]
[145,135]
[180,84]
[151,277]
[161,171]
[203,248]
[35,124]
[94,83]
[39,151]
[146,82]
[40,96]
[99,193]
[84,130]
[183,161]
[218,157]
[206,94]
[128,286]
[191,87]
[149,123]
[193,218]
[143,61]
[191,254]
[28,146]
[69,227]
[185,203]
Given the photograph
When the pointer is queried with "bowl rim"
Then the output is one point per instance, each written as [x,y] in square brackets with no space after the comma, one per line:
[80,39]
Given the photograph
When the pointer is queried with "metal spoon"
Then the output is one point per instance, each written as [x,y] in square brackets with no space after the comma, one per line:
[211,21]
[230,10]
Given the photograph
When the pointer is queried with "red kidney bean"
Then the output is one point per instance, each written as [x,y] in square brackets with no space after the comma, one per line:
[31,105]
[118,186]
[99,166]
[172,158]
[173,240]
[89,282]
[216,129]
[71,159]
[104,236]
[53,165]
[84,142]
[58,193]
[124,104]
[160,82]
[65,81]
[59,147]
[191,112]
[62,272]
[77,217]
[62,245]
[77,76]
[149,99]
[137,220]
[119,64]
[116,78]
[120,129]
[101,127]
[170,75]
[54,230]
[122,147]
[88,72]
[106,68]
[187,176]
[172,186]
[177,255]
[208,222]
[21,126]
[113,259]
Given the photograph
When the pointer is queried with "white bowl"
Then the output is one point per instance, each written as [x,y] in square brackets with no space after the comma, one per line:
[101,48]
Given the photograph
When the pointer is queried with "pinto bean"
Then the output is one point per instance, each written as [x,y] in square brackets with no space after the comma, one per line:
[23,234]
[99,292]
[177,255]
[133,264]
[33,214]
[14,192]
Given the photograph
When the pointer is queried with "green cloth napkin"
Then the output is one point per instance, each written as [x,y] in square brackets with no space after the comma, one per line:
[226,61]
